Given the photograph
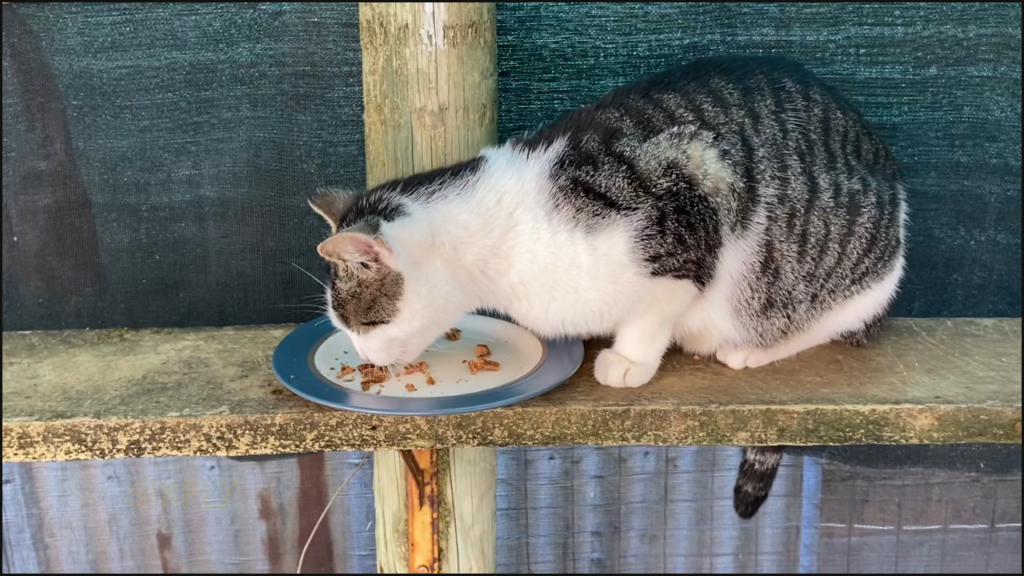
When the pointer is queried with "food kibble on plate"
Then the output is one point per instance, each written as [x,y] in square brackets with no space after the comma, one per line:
[482,351]
[453,335]
[483,365]
[372,375]
[419,367]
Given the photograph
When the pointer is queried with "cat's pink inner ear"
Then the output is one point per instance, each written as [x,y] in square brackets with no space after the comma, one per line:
[349,248]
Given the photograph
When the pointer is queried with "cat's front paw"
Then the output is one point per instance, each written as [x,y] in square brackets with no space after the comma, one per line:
[615,370]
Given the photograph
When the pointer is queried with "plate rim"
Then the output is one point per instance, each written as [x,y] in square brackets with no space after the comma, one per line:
[290,361]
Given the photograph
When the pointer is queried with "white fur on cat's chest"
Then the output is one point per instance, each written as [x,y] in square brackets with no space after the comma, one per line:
[583,287]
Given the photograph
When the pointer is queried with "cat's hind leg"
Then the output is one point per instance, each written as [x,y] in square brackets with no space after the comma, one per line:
[864,336]
[739,358]
[852,321]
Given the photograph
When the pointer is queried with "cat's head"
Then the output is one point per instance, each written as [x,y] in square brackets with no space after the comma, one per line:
[390,298]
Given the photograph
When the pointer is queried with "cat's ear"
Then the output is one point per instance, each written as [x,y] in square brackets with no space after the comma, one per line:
[356,250]
[332,205]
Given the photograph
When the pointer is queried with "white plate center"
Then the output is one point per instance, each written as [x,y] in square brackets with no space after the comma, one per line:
[516,350]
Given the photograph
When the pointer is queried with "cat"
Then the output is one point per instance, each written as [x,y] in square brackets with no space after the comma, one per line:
[735,206]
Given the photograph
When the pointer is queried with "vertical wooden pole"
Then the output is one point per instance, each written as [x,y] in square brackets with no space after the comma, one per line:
[469,536]
[430,92]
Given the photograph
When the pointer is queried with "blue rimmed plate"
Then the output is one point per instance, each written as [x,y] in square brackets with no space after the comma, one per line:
[310,361]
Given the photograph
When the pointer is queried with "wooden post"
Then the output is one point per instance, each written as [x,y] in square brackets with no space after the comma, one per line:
[430,91]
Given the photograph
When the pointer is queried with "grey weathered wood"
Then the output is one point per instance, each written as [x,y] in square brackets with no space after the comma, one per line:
[210,391]
[469,513]
[389,477]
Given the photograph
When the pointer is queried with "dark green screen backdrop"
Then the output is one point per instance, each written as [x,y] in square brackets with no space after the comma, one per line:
[942,82]
[156,158]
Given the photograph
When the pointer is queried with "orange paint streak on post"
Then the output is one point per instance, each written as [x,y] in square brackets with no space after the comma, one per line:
[422,491]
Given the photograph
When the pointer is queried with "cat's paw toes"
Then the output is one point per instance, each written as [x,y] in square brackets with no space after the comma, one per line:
[735,358]
[740,358]
[615,370]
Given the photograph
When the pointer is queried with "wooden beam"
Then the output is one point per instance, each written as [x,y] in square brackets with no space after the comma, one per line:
[210,392]
[430,94]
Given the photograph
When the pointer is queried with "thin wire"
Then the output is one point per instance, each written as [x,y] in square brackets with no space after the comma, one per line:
[302,556]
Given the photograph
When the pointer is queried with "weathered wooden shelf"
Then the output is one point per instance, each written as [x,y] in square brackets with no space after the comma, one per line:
[129,393]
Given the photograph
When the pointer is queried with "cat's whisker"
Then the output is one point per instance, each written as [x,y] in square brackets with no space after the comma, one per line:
[313,307]
[302,309]
[318,281]
[303,313]
[429,349]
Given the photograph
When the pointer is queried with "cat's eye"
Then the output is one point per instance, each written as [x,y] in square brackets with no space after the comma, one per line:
[372,324]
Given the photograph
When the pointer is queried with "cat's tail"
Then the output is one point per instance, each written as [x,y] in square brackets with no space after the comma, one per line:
[755,478]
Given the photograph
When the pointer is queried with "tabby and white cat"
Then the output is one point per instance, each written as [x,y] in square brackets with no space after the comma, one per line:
[735,206]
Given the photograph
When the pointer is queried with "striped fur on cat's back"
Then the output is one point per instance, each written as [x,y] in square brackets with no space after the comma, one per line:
[737,207]
[749,173]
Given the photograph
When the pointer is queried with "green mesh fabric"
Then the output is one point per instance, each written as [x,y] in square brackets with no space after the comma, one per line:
[942,83]
[156,157]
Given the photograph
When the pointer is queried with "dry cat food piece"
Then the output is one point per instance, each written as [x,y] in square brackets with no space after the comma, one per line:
[410,387]
[367,368]
[420,367]
[346,371]
[482,351]
[483,365]
[372,375]
[416,368]
[454,334]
